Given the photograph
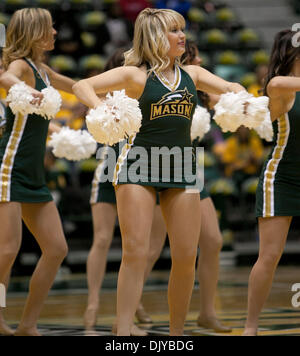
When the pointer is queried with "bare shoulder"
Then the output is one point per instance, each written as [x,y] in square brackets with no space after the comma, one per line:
[192,70]
[273,87]
[133,72]
[22,70]
[196,72]
[280,101]
[19,65]
[46,68]
[283,85]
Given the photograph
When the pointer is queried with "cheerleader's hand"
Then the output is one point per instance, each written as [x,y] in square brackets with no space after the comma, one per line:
[246,104]
[37,97]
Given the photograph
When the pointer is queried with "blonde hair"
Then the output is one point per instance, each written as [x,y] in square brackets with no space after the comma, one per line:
[25,30]
[150,42]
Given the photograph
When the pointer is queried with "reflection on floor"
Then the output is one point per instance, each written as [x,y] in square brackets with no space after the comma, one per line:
[63,311]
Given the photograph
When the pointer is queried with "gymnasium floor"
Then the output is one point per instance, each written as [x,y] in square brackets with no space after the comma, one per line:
[62,314]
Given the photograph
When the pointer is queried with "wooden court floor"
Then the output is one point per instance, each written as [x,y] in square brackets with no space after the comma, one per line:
[63,312]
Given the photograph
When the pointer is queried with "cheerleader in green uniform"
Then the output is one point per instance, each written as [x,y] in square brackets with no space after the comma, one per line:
[167,96]
[210,238]
[278,192]
[104,213]
[23,191]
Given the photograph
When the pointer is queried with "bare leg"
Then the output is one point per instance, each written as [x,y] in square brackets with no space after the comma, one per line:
[4,328]
[157,241]
[10,242]
[182,214]
[44,223]
[104,218]
[135,210]
[210,243]
[273,233]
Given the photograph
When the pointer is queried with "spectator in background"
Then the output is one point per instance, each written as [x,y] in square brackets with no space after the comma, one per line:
[181,6]
[242,155]
[131,8]
[120,30]
[72,112]
[68,41]
[261,72]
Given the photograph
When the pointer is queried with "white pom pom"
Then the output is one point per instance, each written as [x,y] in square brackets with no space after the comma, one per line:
[73,145]
[50,104]
[257,111]
[200,123]
[116,119]
[102,124]
[229,111]
[19,99]
[265,129]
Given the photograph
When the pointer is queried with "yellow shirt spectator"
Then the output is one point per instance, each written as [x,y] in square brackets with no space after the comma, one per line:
[71,114]
[2,94]
[243,151]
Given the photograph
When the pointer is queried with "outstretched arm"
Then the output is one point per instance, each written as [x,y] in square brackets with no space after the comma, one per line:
[283,85]
[59,81]
[210,83]
[128,78]
[53,127]
[16,73]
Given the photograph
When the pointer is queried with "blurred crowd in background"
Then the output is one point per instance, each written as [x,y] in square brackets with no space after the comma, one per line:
[90,31]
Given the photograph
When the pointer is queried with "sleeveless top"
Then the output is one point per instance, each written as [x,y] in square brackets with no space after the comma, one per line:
[22,150]
[278,191]
[167,113]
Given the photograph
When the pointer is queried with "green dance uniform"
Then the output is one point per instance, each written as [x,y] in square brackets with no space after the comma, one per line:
[167,113]
[204,193]
[103,190]
[22,150]
[278,192]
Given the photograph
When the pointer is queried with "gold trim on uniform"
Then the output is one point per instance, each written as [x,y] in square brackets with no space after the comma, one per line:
[9,156]
[122,157]
[97,179]
[271,169]
[166,83]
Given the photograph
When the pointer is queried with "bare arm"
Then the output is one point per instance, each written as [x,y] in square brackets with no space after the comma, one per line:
[53,128]
[17,72]
[131,79]
[59,81]
[213,100]
[210,83]
[283,85]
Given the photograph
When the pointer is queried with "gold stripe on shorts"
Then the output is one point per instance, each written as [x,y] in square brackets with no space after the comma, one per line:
[122,157]
[272,166]
[9,157]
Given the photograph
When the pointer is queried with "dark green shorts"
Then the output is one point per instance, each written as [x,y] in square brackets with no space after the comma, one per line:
[105,193]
